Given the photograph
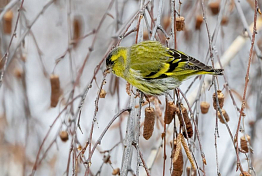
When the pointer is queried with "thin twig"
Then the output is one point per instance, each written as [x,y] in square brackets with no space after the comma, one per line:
[47,134]
[11,56]
[160,8]
[93,124]
[246,83]
[105,130]
[6,55]
[245,24]
[91,48]
[173,23]
[144,163]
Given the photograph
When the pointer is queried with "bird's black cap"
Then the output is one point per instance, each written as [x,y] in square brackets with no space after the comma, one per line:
[109,62]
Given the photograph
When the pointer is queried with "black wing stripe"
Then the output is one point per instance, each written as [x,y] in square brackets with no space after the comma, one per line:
[159,77]
[172,66]
[176,54]
[193,63]
[197,65]
[151,74]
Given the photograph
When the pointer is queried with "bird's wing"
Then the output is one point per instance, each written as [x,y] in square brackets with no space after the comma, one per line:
[153,64]
[149,59]
[161,62]
[189,62]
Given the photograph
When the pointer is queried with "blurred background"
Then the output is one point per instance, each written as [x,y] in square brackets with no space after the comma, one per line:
[56,102]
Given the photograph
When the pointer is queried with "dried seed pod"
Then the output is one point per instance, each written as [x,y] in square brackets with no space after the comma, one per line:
[224,20]
[107,159]
[199,21]
[220,97]
[55,90]
[245,173]
[116,171]
[8,17]
[77,27]
[214,7]
[179,115]
[170,112]
[2,62]
[178,163]
[193,171]
[18,73]
[187,122]
[188,169]
[225,116]
[180,23]
[188,153]
[166,22]
[177,148]
[102,93]
[149,122]
[204,106]
[23,58]
[252,123]
[63,136]
[243,143]
[145,35]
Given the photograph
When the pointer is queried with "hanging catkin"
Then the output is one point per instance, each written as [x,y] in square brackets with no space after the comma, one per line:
[55,89]
[149,122]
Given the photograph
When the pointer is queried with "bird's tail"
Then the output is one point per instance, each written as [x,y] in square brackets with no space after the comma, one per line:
[215,72]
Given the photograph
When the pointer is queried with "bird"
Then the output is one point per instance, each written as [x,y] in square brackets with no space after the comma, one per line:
[154,68]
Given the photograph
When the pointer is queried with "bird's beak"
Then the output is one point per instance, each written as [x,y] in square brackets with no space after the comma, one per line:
[107,70]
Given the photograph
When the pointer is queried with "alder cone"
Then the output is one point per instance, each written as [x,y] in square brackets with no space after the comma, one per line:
[77,27]
[149,123]
[55,89]
[220,97]
[184,117]
[145,35]
[193,171]
[187,122]
[180,23]
[170,112]
[224,20]
[243,143]
[116,171]
[18,72]
[199,21]
[225,116]
[204,106]
[177,164]
[214,7]
[8,17]
[63,136]
[245,173]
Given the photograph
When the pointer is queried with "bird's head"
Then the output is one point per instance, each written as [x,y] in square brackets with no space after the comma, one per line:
[116,60]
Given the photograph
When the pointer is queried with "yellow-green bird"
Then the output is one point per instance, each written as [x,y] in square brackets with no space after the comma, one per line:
[154,68]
